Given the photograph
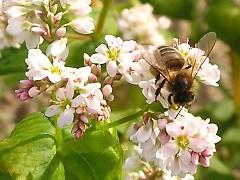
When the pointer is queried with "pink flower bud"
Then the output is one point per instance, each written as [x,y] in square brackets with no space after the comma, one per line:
[61,32]
[195,158]
[84,118]
[58,17]
[204,161]
[110,97]
[34,91]
[164,137]
[162,123]
[107,90]
[108,80]
[40,31]
[207,153]
[87,61]
[92,78]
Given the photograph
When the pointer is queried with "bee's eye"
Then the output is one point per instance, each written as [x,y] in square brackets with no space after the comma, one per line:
[192,96]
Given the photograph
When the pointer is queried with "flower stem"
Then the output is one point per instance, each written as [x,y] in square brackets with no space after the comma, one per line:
[58,134]
[235,78]
[123,120]
[102,17]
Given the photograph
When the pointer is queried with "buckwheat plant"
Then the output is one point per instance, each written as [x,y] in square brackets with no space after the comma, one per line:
[75,137]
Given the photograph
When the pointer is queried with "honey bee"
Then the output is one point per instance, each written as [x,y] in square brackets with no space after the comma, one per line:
[178,72]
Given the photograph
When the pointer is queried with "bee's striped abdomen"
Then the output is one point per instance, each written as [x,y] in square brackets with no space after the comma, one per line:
[171,58]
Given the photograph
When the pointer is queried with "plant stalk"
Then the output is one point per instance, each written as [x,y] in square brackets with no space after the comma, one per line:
[102,18]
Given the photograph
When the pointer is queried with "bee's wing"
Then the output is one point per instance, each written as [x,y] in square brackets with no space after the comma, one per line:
[206,43]
[150,55]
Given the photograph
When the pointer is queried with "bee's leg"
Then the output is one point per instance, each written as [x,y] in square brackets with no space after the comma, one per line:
[158,91]
[170,99]
[157,78]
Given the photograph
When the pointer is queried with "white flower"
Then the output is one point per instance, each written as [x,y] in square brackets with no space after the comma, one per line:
[63,106]
[139,23]
[21,20]
[58,49]
[209,74]
[189,136]
[83,25]
[89,99]
[117,51]
[40,67]
[134,72]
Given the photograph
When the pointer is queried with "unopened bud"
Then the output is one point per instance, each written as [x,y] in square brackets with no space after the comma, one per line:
[40,31]
[87,61]
[58,17]
[194,158]
[108,80]
[107,90]
[61,32]
[92,78]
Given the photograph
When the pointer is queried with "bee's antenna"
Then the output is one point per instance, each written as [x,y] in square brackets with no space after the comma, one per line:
[179,112]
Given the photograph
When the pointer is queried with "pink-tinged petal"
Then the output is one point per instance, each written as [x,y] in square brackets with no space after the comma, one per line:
[34,91]
[195,158]
[60,94]
[162,123]
[113,42]
[207,153]
[52,110]
[112,68]
[32,40]
[173,130]
[54,78]
[128,46]
[102,49]
[185,160]
[164,138]
[125,58]
[198,145]
[213,138]
[57,47]
[69,89]
[150,153]
[83,25]
[98,58]
[212,128]
[204,161]
[169,149]
[142,134]
[132,163]
[65,118]
[185,157]
[175,167]
[77,101]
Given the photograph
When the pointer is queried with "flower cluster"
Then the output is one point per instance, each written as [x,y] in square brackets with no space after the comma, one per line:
[136,168]
[122,58]
[34,20]
[75,93]
[177,145]
[139,23]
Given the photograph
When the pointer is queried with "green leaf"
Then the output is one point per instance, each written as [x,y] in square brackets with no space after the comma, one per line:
[223,17]
[217,165]
[232,136]
[12,61]
[31,152]
[88,157]
[224,110]
[174,8]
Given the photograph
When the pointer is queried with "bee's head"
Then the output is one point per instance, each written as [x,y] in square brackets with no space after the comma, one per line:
[184,98]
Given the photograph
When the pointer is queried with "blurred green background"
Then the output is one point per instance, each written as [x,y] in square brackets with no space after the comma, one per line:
[190,18]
